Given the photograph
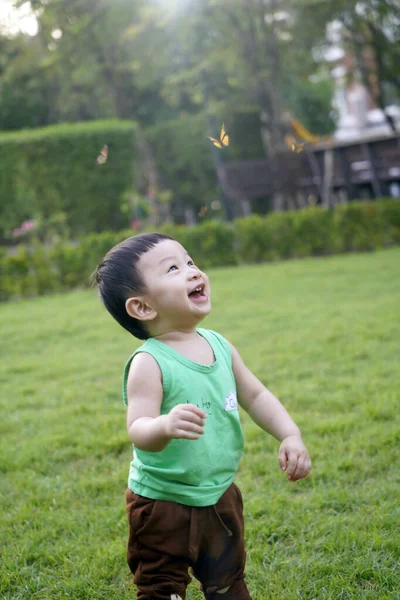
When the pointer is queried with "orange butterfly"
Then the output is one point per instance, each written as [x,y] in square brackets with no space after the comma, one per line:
[292,144]
[102,157]
[203,211]
[298,148]
[223,138]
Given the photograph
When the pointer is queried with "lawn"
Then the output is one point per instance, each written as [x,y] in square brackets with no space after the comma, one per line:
[322,334]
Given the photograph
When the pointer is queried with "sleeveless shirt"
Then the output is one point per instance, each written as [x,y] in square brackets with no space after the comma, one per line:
[192,472]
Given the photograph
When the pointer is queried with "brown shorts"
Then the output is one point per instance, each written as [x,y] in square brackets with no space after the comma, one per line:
[167,538]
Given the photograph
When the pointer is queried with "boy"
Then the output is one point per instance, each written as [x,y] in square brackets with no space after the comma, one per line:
[180,387]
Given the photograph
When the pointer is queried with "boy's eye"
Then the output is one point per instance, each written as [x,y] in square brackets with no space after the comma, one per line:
[172,268]
[190,263]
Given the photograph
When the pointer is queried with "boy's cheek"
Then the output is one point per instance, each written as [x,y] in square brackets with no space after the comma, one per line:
[207,282]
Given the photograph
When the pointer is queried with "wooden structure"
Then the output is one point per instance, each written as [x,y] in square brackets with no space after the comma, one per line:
[325,174]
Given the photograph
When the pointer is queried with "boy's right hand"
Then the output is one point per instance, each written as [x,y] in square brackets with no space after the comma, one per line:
[185,421]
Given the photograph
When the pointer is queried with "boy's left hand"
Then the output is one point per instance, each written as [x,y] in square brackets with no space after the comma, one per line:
[294,458]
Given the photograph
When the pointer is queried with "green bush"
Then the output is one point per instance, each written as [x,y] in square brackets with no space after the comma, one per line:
[254,240]
[75,262]
[17,279]
[68,260]
[313,231]
[284,235]
[389,210]
[361,226]
[317,231]
[211,244]
[53,170]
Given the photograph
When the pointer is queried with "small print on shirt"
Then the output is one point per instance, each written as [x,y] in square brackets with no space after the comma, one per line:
[231,402]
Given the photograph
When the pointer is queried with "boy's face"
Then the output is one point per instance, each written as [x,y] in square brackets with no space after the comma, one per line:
[171,279]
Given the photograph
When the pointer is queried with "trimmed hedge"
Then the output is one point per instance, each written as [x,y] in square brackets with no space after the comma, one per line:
[53,170]
[314,231]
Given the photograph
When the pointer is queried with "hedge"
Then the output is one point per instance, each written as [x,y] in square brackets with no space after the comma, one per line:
[53,170]
[314,231]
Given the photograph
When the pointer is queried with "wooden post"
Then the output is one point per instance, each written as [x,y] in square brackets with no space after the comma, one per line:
[316,172]
[246,207]
[344,167]
[376,186]
[327,180]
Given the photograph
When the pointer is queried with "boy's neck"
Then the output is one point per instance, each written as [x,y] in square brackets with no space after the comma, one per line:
[190,344]
[177,335]
[161,329]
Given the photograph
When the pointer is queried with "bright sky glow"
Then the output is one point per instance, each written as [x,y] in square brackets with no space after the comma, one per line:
[15,20]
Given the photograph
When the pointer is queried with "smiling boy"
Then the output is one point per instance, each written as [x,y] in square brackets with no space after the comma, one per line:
[182,388]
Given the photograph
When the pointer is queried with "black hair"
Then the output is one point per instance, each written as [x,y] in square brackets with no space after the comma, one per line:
[118,278]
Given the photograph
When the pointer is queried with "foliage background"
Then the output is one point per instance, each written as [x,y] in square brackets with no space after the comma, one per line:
[176,69]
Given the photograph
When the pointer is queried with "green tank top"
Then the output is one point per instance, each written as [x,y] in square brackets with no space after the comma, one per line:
[192,472]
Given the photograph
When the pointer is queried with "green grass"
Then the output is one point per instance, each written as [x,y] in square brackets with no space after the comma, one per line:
[323,335]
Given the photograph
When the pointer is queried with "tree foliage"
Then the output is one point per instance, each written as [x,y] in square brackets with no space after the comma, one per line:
[154,61]
[371,32]
[178,68]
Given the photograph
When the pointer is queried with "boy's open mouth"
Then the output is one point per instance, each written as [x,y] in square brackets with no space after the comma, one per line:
[198,294]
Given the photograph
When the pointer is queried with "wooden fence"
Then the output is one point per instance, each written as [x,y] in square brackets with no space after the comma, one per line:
[326,174]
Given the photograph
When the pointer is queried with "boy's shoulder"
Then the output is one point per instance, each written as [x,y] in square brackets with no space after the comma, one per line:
[142,361]
[140,369]
[143,366]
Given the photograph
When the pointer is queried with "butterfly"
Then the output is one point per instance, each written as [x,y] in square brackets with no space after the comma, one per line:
[102,157]
[203,211]
[298,148]
[223,138]
[292,144]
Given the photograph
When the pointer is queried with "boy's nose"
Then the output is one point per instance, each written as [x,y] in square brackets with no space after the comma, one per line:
[195,273]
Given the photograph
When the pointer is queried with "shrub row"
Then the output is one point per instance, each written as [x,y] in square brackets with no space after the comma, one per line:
[314,231]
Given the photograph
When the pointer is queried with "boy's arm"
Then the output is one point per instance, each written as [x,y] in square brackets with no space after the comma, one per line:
[269,414]
[147,428]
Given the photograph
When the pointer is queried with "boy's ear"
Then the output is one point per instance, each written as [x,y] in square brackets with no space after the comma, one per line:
[139,309]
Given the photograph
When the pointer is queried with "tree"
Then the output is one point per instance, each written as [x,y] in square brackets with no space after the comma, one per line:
[371,33]
[23,87]
[146,60]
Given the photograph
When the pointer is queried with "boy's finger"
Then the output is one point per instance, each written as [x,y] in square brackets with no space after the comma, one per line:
[195,409]
[292,463]
[282,459]
[192,427]
[306,468]
[187,435]
[192,418]
[299,471]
